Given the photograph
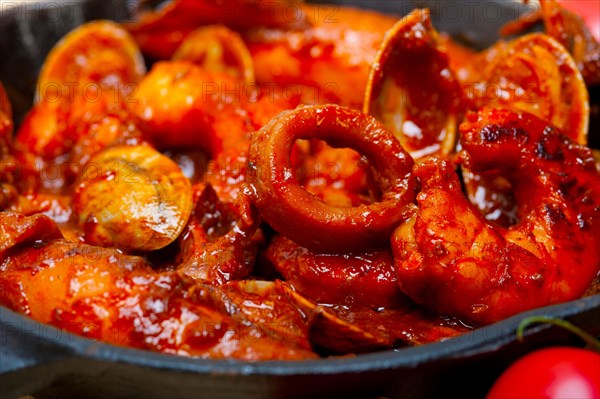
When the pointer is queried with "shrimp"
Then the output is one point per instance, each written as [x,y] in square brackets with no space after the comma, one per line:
[218,244]
[535,74]
[160,33]
[450,258]
[324,54]
[17,229]
[330,58]
[14,195]
[103,294]
[180,105]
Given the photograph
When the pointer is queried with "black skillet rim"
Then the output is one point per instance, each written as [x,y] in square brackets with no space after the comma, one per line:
[483,340]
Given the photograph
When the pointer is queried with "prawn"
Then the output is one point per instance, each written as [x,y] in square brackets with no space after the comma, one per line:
[181,105]
[451,259]
[161,32]
[103,294]
[218,244]
[535,74]
[324,55]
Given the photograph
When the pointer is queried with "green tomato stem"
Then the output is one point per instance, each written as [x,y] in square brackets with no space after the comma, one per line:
[588,338]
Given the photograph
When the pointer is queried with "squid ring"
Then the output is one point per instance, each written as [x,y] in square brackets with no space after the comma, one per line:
[303,218]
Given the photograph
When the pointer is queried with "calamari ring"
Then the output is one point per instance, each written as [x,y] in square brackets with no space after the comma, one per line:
[304,219]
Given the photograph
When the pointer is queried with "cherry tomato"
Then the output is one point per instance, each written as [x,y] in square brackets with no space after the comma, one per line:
[557,372]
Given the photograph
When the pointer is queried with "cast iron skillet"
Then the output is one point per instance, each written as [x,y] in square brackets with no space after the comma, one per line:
[45,362]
